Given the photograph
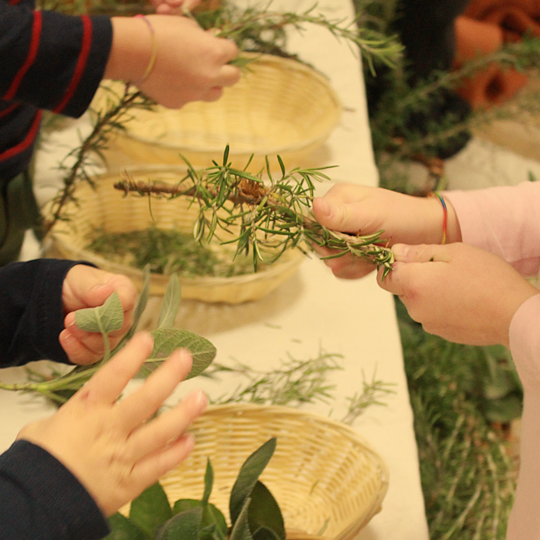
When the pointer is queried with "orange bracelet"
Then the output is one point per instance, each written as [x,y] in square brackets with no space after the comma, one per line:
[445,214]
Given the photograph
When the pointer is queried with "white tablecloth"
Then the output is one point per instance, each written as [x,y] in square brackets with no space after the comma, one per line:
[313,311]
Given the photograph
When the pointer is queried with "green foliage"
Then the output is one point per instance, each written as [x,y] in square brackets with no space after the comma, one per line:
[468,477]
[167,251]
[108,318]
[254,512]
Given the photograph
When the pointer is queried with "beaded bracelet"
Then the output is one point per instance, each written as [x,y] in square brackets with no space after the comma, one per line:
[445,214]
[154,51]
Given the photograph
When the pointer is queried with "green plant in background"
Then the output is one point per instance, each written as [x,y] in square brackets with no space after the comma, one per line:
[400,100]
[467,470]
[109,318]
[254,512]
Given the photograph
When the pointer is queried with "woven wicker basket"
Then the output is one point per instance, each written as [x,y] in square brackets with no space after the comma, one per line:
[107,208]
[279,107]
[324,476]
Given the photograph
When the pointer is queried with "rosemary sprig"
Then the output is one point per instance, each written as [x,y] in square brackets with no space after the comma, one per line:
[108,119]
[272,214]
[262,30]
[296,382]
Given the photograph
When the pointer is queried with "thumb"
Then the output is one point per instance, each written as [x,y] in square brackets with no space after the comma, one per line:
[86,286]
[337,216]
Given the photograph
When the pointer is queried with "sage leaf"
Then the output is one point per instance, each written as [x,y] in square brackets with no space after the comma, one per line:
[123,529]
[265,517]
[208,482]
[182,505]
[248,476]
[211,515]
[141,303]
[184,526]
[265,534]
[240,530]
[167,340]
[150,509]
[171,303]
[105,319]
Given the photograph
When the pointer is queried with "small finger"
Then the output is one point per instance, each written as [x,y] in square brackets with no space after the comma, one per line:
[77,351]
[148,470]
[146,401]
[167,427]
[109,382]
[228,76]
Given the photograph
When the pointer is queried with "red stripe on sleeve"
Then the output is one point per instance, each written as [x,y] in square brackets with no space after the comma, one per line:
[28,140]
[13,2]
[81,63]
[9,109]
[34,44]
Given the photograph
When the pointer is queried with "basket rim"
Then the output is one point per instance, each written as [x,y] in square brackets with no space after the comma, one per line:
[250,409]
[268,59]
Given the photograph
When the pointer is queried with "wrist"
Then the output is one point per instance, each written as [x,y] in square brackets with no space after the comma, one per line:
[131,49]
[442,223]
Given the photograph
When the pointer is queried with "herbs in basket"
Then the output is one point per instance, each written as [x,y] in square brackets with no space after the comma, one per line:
[254,512]
[168,251]
[108,318]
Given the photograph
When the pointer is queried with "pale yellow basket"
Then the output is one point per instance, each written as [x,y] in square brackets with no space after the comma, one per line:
[106,208]
[325,477]
[279,107]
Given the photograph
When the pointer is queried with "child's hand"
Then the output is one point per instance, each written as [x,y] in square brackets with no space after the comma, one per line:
[116,449]
[190,64]
[88,287]
[174,7]
[365,210]
[459,292]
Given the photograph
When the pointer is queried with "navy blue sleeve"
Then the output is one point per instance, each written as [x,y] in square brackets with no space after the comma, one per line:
[31,311]
[40,499]
[51,60]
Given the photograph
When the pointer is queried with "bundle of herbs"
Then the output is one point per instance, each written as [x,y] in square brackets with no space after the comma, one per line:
[254,512]
[261,214]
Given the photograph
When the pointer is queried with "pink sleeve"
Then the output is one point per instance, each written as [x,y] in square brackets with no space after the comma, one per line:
[503,220]
[525,347]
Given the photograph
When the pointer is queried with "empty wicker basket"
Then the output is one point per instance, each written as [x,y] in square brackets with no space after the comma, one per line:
[279,107]
[106,208]
[326,478]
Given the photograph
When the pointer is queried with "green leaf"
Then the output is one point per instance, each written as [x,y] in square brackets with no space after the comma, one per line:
[171,302]
[265,515]
[505,409]
[182,505]
[211,515]
[240,530]
[183,526]
[150,509]
[265,534]
[208,482]
[139,309]
[167,340]
[105,319]
[248,476]
[123,529]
